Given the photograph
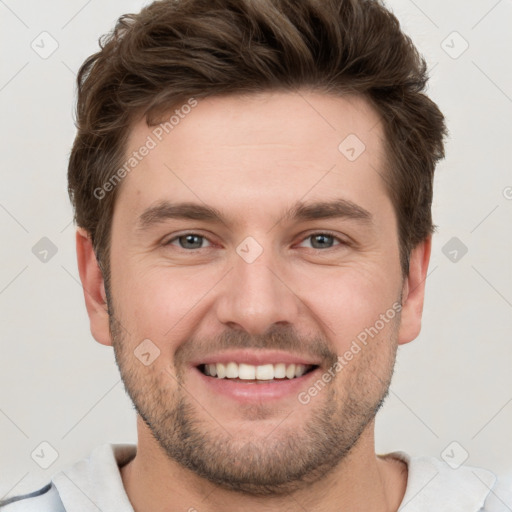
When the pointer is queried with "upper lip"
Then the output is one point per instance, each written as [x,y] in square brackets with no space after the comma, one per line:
[256,358]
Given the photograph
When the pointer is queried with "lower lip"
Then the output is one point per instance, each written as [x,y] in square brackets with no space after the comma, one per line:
[255,391]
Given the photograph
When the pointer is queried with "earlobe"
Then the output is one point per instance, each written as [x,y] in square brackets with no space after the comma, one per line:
[413,292]
[94,288]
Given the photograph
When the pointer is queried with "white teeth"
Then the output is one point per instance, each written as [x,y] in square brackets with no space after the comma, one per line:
[265,372]
[221,371]
[231,370]
[290,371]
[300,370]
[279,371]
[244,371]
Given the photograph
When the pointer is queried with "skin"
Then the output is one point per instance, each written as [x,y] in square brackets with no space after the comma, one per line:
[252,158]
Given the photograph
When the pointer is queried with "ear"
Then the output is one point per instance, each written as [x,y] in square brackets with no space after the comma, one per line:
[93,287]
[413,292]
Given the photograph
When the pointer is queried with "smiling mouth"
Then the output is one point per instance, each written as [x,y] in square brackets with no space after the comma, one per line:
[250,373]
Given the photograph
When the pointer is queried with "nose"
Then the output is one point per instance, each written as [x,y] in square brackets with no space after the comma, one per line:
[255,295]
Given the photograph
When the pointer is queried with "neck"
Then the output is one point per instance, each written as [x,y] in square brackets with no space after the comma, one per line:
[362,481]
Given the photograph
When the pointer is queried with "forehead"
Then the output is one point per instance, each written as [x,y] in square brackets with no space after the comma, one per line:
[257,151]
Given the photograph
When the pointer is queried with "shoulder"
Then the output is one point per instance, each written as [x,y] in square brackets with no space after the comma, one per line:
[447,486]
[94,478]
[499,498]
[45,499]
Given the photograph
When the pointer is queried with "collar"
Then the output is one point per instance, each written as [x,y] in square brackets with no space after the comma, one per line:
[96,480]
[431,483]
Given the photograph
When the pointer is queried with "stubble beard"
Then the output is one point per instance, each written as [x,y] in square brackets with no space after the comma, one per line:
[282,462]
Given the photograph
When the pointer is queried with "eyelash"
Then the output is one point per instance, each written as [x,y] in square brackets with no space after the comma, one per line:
[341,241]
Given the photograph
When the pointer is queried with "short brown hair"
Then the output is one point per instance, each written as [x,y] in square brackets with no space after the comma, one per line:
[177,49]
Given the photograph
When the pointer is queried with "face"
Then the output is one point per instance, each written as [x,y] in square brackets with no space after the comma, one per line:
[249,242]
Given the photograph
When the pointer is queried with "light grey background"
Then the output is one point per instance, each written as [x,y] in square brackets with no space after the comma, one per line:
[454,383]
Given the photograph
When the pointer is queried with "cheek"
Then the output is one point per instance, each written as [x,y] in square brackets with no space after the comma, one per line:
[155,302]
[351,300]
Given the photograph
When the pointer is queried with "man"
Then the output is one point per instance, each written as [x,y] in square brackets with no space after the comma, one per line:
[252,183]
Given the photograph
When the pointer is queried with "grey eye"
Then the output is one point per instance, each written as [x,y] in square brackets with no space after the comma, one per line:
[321,241]
[188,241]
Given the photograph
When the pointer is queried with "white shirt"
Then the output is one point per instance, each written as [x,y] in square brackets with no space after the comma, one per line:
[94,484]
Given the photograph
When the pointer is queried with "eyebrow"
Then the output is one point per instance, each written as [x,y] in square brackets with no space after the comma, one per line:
[300,211]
